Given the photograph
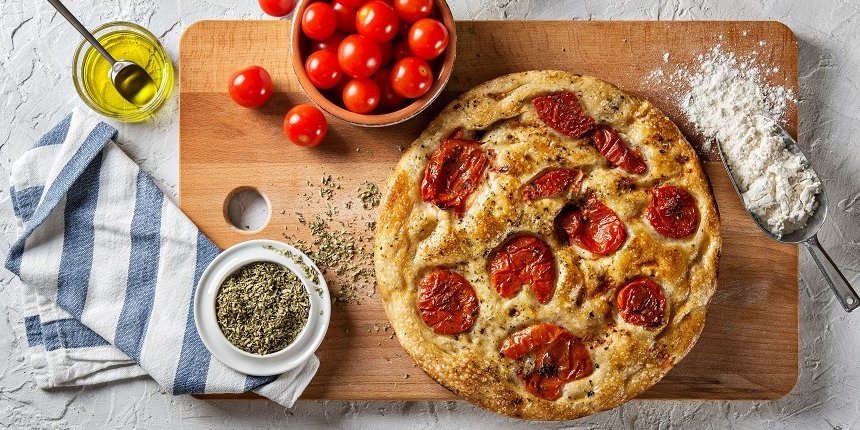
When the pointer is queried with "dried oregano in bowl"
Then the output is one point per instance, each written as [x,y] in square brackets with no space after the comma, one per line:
[262,307]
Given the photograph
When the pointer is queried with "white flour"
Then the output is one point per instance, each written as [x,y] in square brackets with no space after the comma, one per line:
[725,95]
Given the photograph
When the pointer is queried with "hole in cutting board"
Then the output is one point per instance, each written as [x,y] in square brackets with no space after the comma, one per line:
[247,209]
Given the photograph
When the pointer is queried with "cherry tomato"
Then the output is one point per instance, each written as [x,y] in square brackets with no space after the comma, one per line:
[411,77]
[387,51]
[330,44]
[323,70]
[319,21]
[250,87]
[352,4]
[359,56]
[413,10]
[377,20]
[345,17]
[305,125]
[428,38]
[403,30]
[361,95]
[401,50]
[277,7]
[388,98]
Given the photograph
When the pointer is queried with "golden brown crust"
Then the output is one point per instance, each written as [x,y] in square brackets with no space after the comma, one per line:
[413,237]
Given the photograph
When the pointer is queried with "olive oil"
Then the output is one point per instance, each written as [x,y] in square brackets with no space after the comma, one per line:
[127,44]
[134,84]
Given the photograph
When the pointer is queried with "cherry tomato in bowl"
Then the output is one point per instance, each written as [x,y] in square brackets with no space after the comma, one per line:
[359,56]
[361,95]
[413,10]
[331,44]
[377,20]
[428,38]
[388,98]
[352,4]
[305,125]
[323,69]
[345,17]
[371,61]
[401,50]
[411,77]
[319,21]
[277,7]
[250,87]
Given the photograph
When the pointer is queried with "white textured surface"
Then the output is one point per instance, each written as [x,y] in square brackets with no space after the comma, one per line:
[36,91]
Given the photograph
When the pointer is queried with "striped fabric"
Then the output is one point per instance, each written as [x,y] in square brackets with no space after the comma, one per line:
[110,266]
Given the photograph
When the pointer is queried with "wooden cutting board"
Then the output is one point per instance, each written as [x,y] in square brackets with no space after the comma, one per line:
[748,349]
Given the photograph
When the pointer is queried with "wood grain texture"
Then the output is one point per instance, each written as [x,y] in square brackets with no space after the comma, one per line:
[748,349]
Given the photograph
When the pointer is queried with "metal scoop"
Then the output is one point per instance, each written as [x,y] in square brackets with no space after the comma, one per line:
[808,234]
[130,80]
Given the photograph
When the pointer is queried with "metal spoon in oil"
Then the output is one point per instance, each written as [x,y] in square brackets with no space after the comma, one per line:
[130,80]
[808,234]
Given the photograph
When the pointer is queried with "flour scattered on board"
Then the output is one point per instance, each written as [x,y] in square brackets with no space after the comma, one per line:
[724,94]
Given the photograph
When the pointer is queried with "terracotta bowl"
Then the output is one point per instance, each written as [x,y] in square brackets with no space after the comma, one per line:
[442,71]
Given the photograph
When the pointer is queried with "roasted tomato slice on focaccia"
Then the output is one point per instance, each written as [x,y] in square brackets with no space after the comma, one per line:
[447,302]
[558,358]
[553,182]
[454,173]
[594,227]
[672,211]
[521,261]
[642,302]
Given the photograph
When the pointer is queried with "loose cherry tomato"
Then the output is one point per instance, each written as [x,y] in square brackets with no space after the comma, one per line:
[361,95]
[401,50]
[388,98]
[428,38]
[277,7]
[411,77]
[323,70]
[413,10]
[331,44]
[305,125]
[377,20]
[345,17]
[250,87]
[319,21]
[359,56]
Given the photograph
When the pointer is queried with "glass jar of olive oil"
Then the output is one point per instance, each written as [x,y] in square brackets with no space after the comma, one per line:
[125,41]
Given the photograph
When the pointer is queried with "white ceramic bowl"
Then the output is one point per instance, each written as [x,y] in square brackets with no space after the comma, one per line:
[231,260]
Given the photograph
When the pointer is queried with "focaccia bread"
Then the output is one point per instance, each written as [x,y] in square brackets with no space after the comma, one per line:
[548,246]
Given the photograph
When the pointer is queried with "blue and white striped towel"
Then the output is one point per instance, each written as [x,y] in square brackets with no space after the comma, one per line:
[110,266]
